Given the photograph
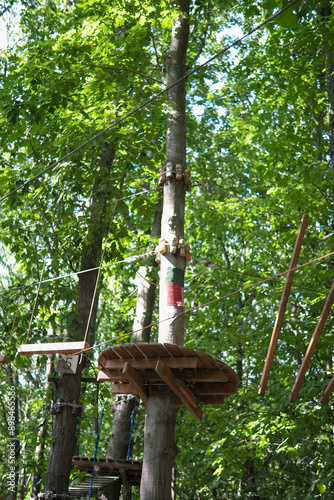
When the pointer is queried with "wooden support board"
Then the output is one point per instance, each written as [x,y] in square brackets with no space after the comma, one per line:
[328,391]
[53,348]
[180,389]
[312,345]
[195,377]
[118,468]
[282,306]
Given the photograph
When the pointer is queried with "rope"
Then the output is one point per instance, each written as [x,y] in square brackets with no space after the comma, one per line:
[96,445]
[33,310]
[131,428]
[187,311]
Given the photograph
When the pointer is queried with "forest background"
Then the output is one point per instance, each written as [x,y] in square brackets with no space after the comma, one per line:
[260,147]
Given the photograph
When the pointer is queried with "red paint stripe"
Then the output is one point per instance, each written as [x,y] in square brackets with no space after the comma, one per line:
[175,294]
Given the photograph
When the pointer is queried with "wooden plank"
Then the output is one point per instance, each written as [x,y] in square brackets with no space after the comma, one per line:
[312,345]
[135,380]
[207,360]
[173,350]
[134,351]
[121,352]
[122,389]
[182,391]
[211,400]
[145,349]
[151,376]
[204,376]
[133,465]
[328,391]
[160,350]
[147,364]
[111,376]
[53,348]
[282,306]
[214,388]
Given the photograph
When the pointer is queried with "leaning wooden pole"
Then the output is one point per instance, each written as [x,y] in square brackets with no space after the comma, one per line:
[162,405]
[282,306]
[312,345]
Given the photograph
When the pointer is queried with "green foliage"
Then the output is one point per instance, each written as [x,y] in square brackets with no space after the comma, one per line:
[260,155]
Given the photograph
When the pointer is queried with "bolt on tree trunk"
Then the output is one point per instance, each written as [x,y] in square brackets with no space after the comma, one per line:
[162,407]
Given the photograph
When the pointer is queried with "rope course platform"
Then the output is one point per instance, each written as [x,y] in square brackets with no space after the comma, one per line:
[195,377]
[128,471]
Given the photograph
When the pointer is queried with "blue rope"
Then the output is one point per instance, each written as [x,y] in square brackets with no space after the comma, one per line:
[96,445]
[132,419]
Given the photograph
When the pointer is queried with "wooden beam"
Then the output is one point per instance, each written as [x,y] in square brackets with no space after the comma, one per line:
[135,380]
[328,391]
[312,345]
[182,391]
[53,348]
[123,389]
[204,376]
[211,400]
[282,306]
[187,375]
[149,363]
[214,388]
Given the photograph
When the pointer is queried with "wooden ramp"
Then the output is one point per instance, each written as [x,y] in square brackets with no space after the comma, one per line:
[195,377]
[82,490]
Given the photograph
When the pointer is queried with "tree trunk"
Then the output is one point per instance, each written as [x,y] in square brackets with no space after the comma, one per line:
[162,406]
[123,404]
[64,431]
[39,451]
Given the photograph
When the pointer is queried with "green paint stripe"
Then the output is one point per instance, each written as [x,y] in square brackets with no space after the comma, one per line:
[174,275]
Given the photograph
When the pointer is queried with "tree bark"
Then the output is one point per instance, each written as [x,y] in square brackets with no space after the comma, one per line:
[64,431]
[162,406]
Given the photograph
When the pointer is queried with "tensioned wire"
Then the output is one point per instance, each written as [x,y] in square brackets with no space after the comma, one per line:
[188,311]
[166,89]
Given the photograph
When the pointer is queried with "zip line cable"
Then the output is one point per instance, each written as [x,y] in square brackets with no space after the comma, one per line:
[141,106]
[187,311]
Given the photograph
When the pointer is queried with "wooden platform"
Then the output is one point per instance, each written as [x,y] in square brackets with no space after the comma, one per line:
[129,471]
[195,377]
[53,348]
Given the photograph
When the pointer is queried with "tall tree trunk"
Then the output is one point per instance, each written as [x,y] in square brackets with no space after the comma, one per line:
[64,431]
[124,405]
[162,406]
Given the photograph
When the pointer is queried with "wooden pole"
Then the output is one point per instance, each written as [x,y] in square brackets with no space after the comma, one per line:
[328,391]
[312,345]
[282,306]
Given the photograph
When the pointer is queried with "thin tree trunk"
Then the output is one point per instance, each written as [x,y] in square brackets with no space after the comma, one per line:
[64,431]
[162,406]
